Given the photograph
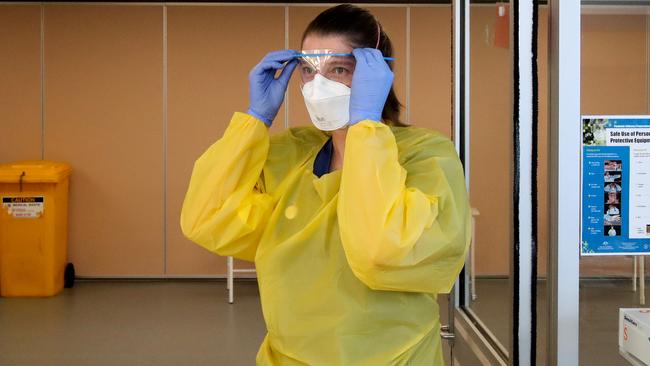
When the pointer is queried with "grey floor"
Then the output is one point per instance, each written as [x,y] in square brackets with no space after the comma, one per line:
[190,323]
[600,300]
[133,323]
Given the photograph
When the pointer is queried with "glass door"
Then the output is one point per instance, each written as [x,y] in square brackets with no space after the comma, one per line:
[500,302]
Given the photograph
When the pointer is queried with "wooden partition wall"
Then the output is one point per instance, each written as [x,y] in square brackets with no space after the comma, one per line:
[20,83]
[615,72]
[130,95]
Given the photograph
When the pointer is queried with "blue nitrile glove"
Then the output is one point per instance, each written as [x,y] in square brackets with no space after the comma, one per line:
[266,93]
[371,84]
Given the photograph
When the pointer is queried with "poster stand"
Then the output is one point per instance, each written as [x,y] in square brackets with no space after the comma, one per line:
[640,259]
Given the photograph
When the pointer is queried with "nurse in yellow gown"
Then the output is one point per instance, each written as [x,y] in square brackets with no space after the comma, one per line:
[353,231]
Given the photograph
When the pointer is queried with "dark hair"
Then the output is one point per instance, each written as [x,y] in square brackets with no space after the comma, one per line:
[361,29]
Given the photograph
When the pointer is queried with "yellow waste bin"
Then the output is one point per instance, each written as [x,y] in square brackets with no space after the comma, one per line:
[34,228]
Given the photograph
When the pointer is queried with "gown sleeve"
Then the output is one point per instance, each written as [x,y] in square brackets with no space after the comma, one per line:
[404,227]
[226,205]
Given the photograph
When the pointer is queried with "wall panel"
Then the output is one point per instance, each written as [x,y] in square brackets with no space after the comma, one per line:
[210,53]
[20,83]
[491,143]
[104,111]
[613,66]
[614,79]
[104,116]
[431,68]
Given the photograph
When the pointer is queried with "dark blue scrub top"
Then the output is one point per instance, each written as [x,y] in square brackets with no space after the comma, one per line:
[324,159]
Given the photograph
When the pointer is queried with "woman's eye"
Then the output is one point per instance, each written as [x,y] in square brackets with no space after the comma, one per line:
[307,70]
[340,70]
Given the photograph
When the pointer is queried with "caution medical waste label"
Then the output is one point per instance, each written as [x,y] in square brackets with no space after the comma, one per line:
[23,207]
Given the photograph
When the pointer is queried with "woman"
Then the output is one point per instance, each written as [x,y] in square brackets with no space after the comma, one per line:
[354,232]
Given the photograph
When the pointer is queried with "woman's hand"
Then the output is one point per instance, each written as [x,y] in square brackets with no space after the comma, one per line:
[371,84]
[266,92]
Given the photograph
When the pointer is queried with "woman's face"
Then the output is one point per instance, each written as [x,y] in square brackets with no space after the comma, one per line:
[338,69]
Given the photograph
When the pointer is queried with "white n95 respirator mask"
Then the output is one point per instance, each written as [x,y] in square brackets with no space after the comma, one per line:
[328,103]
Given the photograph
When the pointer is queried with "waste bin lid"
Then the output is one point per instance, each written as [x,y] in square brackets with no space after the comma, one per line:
[36,171]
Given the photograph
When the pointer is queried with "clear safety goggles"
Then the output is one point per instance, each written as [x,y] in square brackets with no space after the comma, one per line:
[331,64]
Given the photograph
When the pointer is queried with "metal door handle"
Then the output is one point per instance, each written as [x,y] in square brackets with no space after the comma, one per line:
[448,336]
[445,333]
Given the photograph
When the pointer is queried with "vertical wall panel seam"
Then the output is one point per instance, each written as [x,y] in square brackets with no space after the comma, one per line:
[467,128]
[42,71]
[164,100]
[408,64]
[286,46]
[647,65]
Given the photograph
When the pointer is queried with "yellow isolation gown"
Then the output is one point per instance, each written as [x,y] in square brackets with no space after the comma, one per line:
[349,263]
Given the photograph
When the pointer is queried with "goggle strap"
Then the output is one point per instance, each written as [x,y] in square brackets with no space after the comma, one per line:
[301,55]
[378,34]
